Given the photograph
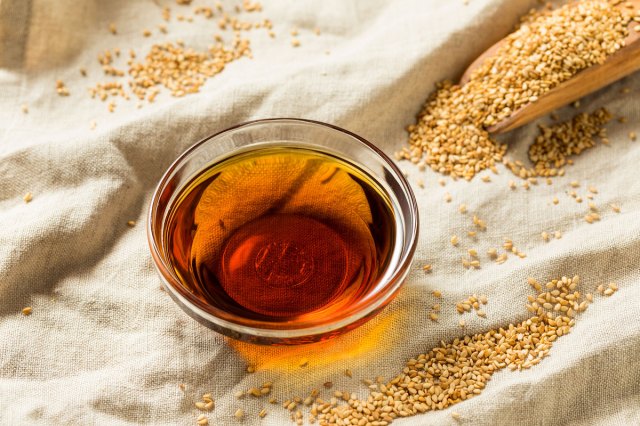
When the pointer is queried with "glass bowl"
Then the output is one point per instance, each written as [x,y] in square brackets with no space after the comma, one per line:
[288,133]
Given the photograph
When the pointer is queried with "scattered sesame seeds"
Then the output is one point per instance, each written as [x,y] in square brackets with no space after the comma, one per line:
[27,311]
[262,413]
[28,197]
[202,420]
[433,316]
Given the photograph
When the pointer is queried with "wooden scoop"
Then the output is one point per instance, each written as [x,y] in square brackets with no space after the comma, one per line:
[622,63]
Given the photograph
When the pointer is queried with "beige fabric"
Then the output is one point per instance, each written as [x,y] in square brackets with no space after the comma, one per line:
[105,346]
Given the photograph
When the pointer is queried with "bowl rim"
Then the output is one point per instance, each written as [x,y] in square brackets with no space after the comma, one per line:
[383,297]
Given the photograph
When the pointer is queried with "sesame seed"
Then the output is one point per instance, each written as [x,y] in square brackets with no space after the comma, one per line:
[436,293]
[239,414]
[615,208]
[112,28]
[295,42]
[426,268]
[262,413]
[454,240]
[303,362]
[463,208]
[27,197]
[25,108]
[447,197]
[27,311]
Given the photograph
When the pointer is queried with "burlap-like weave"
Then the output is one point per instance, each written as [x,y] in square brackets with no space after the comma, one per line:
[105,346]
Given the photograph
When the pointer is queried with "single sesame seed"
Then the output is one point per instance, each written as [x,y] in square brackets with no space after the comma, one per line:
[239,414]
[27,311]
[27,197]
[454,240]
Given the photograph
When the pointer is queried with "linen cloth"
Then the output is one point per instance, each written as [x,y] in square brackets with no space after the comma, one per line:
[104,345]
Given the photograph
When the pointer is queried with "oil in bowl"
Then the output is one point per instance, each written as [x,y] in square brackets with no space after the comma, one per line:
[281,235]
[283,231]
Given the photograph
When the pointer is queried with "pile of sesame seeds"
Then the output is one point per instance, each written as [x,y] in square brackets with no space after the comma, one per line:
[459,370]
[547,49]
[555,144]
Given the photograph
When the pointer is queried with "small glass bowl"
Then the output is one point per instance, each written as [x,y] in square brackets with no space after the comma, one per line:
[298,133]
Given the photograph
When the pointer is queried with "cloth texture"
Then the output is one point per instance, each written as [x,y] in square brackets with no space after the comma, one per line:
[104,345]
